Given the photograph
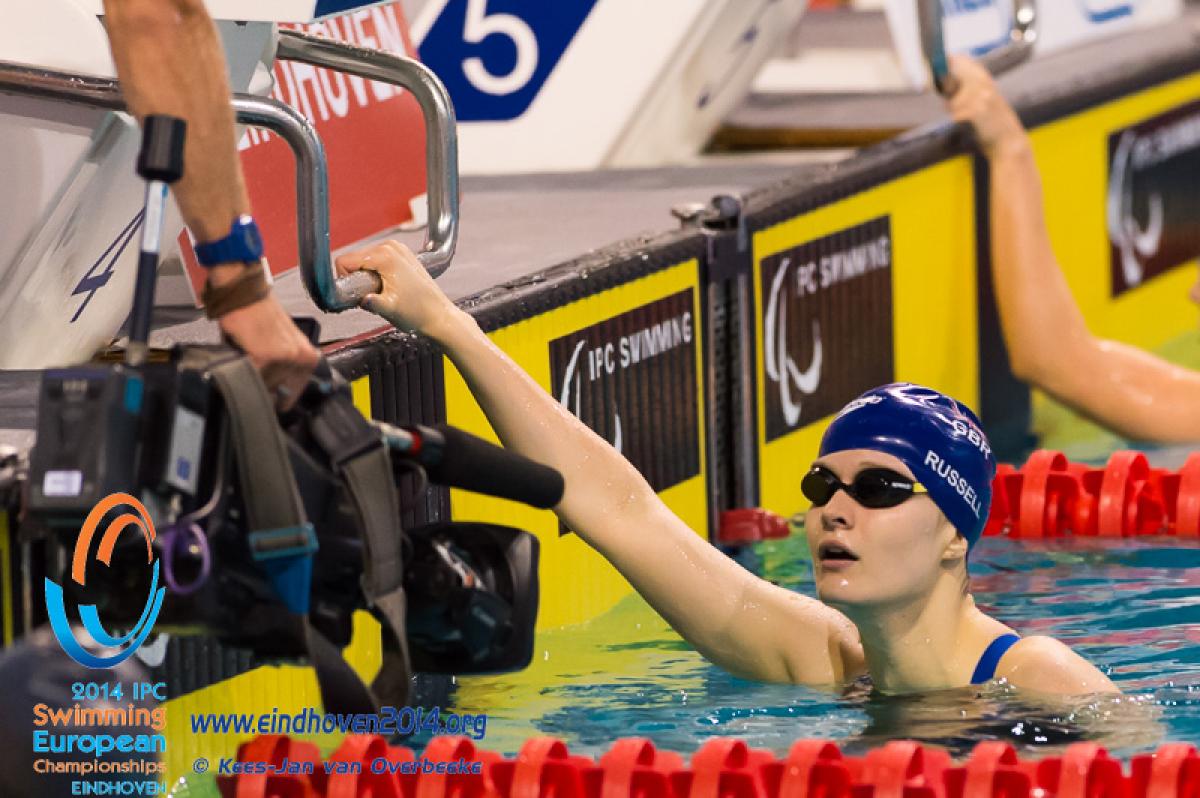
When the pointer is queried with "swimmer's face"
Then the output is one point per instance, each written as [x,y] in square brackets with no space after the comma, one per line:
[865,557]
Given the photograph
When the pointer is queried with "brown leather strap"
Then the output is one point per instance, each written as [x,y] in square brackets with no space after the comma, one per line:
[249,287]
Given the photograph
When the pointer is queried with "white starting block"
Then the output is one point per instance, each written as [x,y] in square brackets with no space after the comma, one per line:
[596,83]
[70,215]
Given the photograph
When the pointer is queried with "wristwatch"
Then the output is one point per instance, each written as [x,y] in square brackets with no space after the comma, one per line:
[243,245]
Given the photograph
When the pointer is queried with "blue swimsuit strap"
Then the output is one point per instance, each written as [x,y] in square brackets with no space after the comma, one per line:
[986,669]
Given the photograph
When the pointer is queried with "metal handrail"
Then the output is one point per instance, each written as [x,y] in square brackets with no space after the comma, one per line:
[312,173]
[441,133]
[998,61]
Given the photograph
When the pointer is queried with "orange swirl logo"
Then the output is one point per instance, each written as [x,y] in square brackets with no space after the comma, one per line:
[56,605]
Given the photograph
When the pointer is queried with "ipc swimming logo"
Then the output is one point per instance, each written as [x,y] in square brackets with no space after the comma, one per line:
[56,606]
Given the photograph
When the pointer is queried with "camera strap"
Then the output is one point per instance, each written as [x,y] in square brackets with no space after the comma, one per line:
[356,451]
[281,540]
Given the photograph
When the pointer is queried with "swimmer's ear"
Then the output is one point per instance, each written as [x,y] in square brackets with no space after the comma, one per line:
[956,549]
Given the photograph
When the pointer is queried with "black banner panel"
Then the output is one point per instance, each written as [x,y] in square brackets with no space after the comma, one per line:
[827,324]
[632,379]
[1153,205]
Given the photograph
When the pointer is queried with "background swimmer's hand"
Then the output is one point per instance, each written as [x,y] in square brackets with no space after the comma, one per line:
[979,103]
[410,299]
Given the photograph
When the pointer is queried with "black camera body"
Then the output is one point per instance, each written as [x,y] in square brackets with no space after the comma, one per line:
[269,532]
[166,434]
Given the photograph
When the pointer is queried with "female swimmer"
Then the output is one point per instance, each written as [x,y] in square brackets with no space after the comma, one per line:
[1134,393]
[900,492]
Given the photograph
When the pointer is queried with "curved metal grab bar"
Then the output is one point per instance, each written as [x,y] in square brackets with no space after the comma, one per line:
[441,132]
[1016,51]
[312,204]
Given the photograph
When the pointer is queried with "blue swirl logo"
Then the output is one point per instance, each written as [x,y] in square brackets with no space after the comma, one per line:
[56,605]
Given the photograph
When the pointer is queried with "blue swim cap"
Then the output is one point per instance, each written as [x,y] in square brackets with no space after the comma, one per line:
[938,438]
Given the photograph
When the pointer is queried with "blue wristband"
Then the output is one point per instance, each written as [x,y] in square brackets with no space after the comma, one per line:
[243,245]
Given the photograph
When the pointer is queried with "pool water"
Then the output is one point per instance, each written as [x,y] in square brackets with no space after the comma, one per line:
[1133,608]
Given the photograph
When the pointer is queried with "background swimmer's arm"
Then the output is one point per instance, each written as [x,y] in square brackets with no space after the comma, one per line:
[732,617]
[1135,393]
[1046,665]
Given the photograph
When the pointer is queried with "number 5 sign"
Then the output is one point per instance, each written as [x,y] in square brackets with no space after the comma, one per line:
[495,55]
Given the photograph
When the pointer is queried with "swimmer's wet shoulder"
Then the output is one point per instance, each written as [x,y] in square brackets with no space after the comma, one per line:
[1046,665]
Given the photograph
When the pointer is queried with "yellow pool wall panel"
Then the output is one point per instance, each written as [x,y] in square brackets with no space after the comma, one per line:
[1072,157]
[932,213]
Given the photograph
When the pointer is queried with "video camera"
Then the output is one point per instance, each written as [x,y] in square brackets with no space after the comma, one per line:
[272,530]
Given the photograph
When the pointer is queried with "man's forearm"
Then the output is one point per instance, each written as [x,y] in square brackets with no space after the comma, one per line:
[170,60]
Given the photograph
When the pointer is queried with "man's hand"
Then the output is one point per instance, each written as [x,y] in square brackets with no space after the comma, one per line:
[979,103]
[283,355]
[410,298]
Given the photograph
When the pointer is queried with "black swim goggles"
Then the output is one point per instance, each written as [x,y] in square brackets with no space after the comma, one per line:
[875,488]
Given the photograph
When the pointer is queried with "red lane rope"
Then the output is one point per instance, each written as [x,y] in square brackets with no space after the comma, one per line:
[1050,497]
[722,768]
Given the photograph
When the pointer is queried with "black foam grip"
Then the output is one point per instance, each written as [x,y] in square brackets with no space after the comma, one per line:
[474,464]
[161,156]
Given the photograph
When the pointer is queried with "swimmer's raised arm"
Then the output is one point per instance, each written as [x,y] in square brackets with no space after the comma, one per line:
[1133,392]
[740,622]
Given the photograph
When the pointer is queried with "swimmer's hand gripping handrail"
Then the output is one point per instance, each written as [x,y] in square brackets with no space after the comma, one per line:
[1018,49]
[441,133]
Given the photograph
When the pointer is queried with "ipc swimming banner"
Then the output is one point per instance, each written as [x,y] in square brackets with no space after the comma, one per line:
[827,324]
[1152,205]
[632,379]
